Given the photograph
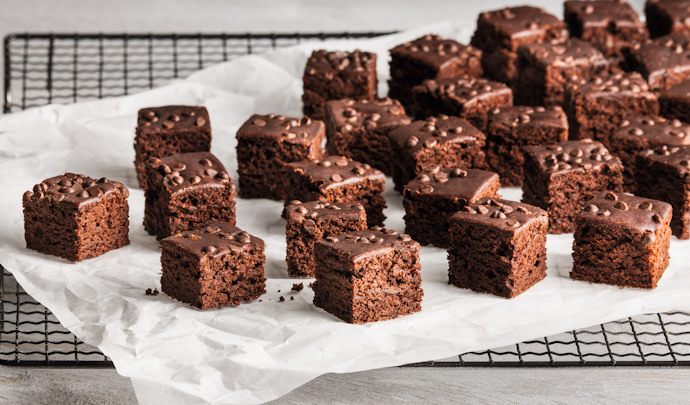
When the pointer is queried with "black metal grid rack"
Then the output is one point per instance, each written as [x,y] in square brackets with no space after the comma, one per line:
[62,68]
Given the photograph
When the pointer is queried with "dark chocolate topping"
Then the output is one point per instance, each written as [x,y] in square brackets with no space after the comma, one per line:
[524,116]
[435,131]
[614,14]
[573,52]
[362,244]
[436,52]
[188,171]
[653,130]
[613,85]
[573,155]
[455,183]
[522,21]
[676,156]
[680,91]
[300,211]
[214,240]
[75,189]
[283,129]
[664,53]
[464,90]
[325,64]
[678,10]
[173,117]
[505,215]
[382,113]
[641,214]
[335,171]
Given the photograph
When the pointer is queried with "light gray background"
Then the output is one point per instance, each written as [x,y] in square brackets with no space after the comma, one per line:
[19,385]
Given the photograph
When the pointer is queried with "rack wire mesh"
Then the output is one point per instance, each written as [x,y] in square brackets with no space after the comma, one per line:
[41,69]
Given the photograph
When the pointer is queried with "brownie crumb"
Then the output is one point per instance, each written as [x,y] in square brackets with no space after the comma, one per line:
[298,287]
[153,292]
[292,298]
[282,299]
[311,285]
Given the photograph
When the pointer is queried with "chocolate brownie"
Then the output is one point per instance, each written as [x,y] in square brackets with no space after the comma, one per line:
[186,192]
[217,266]
[359,129]
[441,141]
[664,174]
[500,32]
[433,197]
[76,217]
[559,178]
[622,240]
[429,57]
[544,69]
[265,143]
[664,62]
[512,128]
[169,130]
[667,16]
[308,222]
[498,247]
[639,133]
[338,179]
[332,75]
[608,25]
[368,276]
[462,96]
[675,102]
[596,106]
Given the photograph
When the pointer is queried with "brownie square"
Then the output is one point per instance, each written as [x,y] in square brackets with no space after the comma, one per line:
[265,143]
[638,133]
[169,130]
[359,129]
[675,102]
[441,141]
[596,106]
[498,247]
[186,192]
[664,61]
[433,197]
[664,174]
[499,33]
[335,75]
[510,129]
[667,17]
[544,70]
[217,266]
[559,178]
[429,57]
[622,240]
[610,26]
[338,179]
[308,222]
[462,96]
[76,217]
[368,276]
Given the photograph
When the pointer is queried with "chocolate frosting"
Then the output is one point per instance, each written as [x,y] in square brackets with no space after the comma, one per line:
[670,52]
[613,13]
[74,189]
[522,22]
[637,213]
[464,90]
[436,52]
[504,215]
[173,117]
[573,52]
[524,116]
[675,156]
[303,131]
[336,171]
[680,91]
[299,212]
[453,183]
[568,156]
[653,130]
[375,241]
[214,240]
[191,171]
[325,64]
[382,113]
[618,85]
[434,132]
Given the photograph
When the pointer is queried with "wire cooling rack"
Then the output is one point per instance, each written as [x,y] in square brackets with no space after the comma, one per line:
[41,69]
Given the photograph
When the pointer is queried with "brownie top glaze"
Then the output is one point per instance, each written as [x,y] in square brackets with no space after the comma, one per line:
[173,118]
[573,52]
[358,245]
[437,52]
[434,132]
[524,116]
[618,85]
[282,129]
[216,239]
[382,113]
[602,13]
[504,215]
[570,156]
[640,214]
[191,171]
[464,90]
[325,65]
[677,157]
[680,91]
[664,53]
[520,24]
[653,130]
[74,189]
[336,171]
[454,184]
[309,212]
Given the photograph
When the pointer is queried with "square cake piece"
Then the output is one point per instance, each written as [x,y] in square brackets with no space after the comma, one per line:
[510,129]
[638,133]
[664,174]
[675,102]
[76,217]
[597,106]
[186,192]
[441,141]
[359,129]
[463,96]
[368,276]
[559,178]
[498,247]
[335,75]
[622,240]
[217,266]
[667,17]
[433,197]
[500,32]
[608,25]
[265,143]
[169,130]
[338,179]
[544,69]
[664,61]
[309,222]
[429,57]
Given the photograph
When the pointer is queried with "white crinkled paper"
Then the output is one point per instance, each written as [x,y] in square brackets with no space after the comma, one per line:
[256,352]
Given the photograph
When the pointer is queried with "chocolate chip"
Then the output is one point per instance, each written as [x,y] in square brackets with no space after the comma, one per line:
[212,229]
[336,177]
[259,122]
[426,188]
[457,172]
[604,213]
[513,223]
[325,163]
[309,226]
[648,238]
[209,249]
[206,162]
[507,209]
[195,180]
[332,239]
[178,166]
[645,206]
[200,121]
[358,170]
[592,208]
[657,218]
[405,237]
[412,141]
[83,194]
[341,162]
[621,205]
[498,214]
[430,143]
[482,209]
[523,210]
[175,118]
[469,209]
[349,112]
[177,180]
[243,238]
[611,196]
[168,124]
[211,172]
